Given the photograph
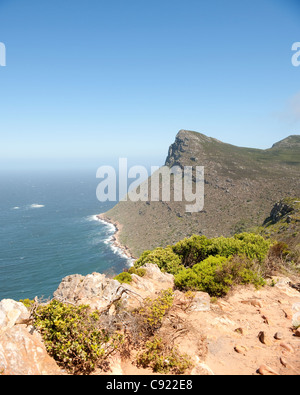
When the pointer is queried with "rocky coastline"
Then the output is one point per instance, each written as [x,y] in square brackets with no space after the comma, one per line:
[115,238]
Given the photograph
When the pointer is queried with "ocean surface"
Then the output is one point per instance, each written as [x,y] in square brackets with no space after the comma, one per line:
[49,230]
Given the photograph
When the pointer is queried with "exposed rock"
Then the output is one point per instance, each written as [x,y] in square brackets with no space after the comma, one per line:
[266,319]
[11,312]
[154,273]
[196,327]
[265,370]
[283,284]
[288,313]
[199,301]
[241,331]
[296,314]
[99,291]
[278,336]
[22,351]
[265,338]
[94,289]
[287,347]
[279,210]
[241,349]
[283,362]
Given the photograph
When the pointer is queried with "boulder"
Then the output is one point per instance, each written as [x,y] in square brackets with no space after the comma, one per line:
[95,289]
[99,291]
[22,352]
[11,312]
[201,302]
[198,301]
[155,274]
[265,338]
[265,370]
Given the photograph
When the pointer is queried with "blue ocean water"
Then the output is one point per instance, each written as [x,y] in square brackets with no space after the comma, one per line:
[48,230]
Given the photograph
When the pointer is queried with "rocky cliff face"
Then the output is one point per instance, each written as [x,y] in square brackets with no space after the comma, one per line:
[241,187]
[283,225]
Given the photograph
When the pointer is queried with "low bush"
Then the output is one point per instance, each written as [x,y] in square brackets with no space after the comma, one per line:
[163,359]
[165,258]
[216,275]
[138,271]
[123,277]
[153,312]
[73,336]
[197,248]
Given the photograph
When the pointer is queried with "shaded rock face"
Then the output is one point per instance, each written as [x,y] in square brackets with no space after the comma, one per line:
[279,210]
[22,351]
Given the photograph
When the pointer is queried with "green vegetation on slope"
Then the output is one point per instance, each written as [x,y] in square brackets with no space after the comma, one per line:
[212,265]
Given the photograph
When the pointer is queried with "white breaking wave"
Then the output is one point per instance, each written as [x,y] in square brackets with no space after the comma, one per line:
[110,240]
[36,205]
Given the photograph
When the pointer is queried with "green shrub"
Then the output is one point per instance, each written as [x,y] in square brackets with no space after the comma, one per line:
[164,258]
[203,264]
[216,275]
[197,248]
[205,276]
[253,246]
[138,271]
[192,250]
[162,359]
[73,336]
[124,277]
[154,310]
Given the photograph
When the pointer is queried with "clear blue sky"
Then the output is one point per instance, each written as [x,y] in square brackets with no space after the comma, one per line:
[90,80]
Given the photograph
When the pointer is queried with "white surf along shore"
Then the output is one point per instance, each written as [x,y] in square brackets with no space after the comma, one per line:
[113,239]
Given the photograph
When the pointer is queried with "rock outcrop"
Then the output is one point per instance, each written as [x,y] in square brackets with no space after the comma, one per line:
[22,351]
[100,292]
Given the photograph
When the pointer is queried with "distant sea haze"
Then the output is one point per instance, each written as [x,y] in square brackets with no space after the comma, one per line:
[49,230]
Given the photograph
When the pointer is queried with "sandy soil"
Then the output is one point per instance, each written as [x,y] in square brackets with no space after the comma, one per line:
[237,336]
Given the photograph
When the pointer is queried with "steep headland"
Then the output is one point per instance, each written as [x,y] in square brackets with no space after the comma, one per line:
[241,187]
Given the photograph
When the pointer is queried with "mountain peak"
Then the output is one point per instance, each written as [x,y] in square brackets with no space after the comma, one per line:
[188,144]
[190,134]
[288,142]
